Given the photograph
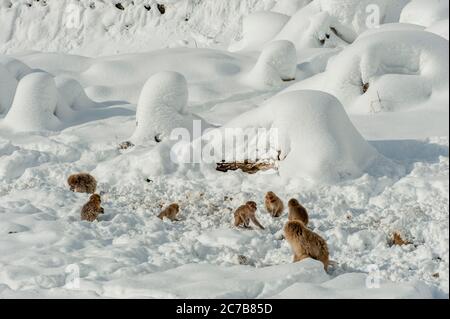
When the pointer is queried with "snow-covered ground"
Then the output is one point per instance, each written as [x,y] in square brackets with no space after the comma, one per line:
[362,118]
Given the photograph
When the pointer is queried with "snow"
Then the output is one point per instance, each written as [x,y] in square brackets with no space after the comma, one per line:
[425,12]
[366,165]
[161,108]
[34,104]
[313,136]
[401,68]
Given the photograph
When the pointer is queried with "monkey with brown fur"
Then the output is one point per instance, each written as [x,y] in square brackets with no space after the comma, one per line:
[274,205]
[246,213]
[305,243]
[92,209]
[297,212]
[82,183]
[170,212]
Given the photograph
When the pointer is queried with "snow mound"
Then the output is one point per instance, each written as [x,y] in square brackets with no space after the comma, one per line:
[161,108]
[386,71]
[34,104]
[277,63]
[425,12]
[258,29]
[8,86]
[72,94]
[314,138]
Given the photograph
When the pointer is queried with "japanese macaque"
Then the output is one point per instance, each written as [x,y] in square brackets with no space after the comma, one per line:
[305,243]
[82,183]
[92,209]
[246,213]
[170,212]
[297,212]
[274,205]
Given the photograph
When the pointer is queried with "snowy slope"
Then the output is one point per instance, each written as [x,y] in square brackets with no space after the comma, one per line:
[364,170]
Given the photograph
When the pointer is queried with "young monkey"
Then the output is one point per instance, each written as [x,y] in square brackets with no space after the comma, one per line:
[305,243]
[297,212]
[274,205]
[82,183]
[170,212]
[92,209]
[245,214]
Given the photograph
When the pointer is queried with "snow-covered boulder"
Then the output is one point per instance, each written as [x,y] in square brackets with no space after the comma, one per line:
[72,94]
[282,56]
[161,108]
[34,104]
[311,135]
[258,29]
[312,27]
[425,12]
[386,71]
[8,86]
[277,63]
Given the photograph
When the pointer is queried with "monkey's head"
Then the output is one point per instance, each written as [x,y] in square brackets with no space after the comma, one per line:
[72,181]
[252,205]
[271,197]
[293,202]
[175,206]
[95,199]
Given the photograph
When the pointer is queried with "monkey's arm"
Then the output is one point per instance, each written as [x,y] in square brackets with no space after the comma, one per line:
[256,222]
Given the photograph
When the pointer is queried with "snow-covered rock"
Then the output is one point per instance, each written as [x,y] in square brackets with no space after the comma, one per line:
[16,68]
[425,12]
[258,29]
[34,104]
[386,71]
[315,139]
[72,94]
[277,63]
[161,108]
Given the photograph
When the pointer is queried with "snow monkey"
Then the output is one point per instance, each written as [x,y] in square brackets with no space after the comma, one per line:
[82,183]
[297,212]
[245,214]
[170,212]
[274,205]
[92,209]
[305,243]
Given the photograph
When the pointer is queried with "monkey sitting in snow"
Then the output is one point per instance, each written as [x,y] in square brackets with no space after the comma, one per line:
[245,214]
[92,209]
[82,183]
[274,205]
[297,212]
[305,243]
[170,212]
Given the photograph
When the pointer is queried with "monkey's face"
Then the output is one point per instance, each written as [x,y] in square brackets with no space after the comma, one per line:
[96,199]
[252,205]
[72,181]
[293,202]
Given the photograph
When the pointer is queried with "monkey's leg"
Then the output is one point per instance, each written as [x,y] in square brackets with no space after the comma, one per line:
[298,257]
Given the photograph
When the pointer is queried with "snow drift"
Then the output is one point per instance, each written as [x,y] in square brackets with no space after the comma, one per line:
[315,138]
[386,71]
